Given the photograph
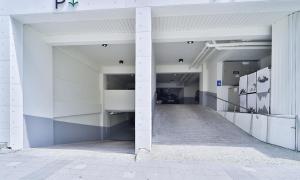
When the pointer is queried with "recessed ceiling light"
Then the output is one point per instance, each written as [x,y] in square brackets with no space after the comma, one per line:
[104,45]
[180,60]
[190,42]
[245,63]
[121,62]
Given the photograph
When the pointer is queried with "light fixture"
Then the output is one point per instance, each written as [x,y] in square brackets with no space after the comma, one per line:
[104,45]
[121,62]
[245,63]
[180,60]
[190,42]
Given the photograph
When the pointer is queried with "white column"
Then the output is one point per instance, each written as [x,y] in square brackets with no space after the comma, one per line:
[144,76]
[11,90]
[16,84]
[285,65]
[4,79]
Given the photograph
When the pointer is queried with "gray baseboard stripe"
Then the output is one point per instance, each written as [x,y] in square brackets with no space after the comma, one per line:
[38,131]
[208,99]
[70,133]
[43,132]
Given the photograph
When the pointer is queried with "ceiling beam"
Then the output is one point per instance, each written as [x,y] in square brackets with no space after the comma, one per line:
[246,33]
[90,39]
[239,33]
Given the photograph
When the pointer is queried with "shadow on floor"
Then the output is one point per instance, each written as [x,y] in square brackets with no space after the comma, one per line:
[125,147]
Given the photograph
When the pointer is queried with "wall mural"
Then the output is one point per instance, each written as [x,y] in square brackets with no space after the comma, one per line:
[258,89]
[263,103]
[243,85]
[252,83]
[263,80]
[251,102]
[243,103]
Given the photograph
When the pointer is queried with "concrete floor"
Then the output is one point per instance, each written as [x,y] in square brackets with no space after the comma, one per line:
[196,125]
[208,148]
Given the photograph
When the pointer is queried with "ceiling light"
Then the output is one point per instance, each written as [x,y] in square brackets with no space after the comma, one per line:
[104,45]
[190,42]
[245,63]
[180,60]
[121,62]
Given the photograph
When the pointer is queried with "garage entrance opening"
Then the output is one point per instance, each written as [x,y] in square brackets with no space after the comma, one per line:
[119,106]
[177,88]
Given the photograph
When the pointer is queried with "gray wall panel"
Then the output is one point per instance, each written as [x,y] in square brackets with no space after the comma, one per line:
[208,99]
[70,133]
[38,131]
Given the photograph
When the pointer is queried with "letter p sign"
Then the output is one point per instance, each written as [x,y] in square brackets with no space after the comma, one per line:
[57,2]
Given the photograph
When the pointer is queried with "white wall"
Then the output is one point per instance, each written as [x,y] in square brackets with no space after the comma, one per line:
[76,89]
[119,100]
[38,75]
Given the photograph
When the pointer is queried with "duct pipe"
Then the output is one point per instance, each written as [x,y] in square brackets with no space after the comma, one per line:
[199,55]
[243,47]
[238,44]
[205,58]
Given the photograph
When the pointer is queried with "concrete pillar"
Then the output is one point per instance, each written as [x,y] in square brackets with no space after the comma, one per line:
[285,66]
[16,85]
[4,79]
[11,74]
[285,74]
[144,76]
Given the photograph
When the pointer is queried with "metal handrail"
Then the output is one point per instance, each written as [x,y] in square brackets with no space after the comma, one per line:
[73,115]
[294,117]
[249,110]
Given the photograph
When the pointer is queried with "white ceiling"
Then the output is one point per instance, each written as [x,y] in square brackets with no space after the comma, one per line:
[80,27]
[169,53]
[161,24]
[106,56]
[198,22]
[164,53]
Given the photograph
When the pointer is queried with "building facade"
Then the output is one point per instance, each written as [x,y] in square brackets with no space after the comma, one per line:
[38,73]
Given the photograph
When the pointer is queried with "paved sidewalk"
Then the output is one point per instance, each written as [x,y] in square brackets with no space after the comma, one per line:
[192,152]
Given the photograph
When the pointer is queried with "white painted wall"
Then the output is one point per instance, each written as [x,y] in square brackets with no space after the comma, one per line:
[38,75]
[119,100]
[76,89]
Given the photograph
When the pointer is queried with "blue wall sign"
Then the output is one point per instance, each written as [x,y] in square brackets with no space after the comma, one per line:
[219,83]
